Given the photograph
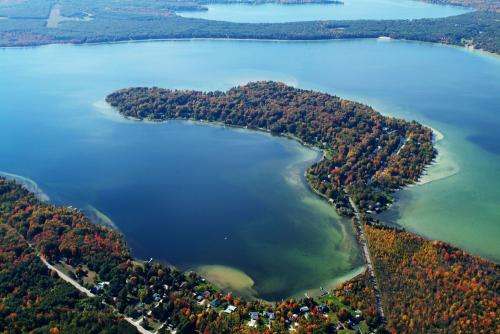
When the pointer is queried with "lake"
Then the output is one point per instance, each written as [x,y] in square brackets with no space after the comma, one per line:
[232,203]
[350,10]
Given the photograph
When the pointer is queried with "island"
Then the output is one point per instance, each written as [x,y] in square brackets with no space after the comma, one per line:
[366,156]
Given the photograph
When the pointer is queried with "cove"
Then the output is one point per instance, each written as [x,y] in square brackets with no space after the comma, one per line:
[231,204]
[350,10]
[177,190]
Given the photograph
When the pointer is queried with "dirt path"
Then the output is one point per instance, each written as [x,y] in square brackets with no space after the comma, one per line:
[368,260]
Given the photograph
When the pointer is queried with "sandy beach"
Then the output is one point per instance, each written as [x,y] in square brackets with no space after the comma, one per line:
[228,278]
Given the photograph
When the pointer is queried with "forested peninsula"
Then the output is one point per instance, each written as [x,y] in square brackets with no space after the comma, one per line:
[25,23]
[366,155]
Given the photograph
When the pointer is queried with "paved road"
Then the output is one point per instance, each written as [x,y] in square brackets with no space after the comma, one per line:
[87,292]
[368,260]
[66,278]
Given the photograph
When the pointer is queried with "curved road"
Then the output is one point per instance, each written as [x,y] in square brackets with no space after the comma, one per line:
[84,290]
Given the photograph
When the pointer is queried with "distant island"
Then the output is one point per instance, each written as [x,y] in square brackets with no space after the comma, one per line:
[366,155]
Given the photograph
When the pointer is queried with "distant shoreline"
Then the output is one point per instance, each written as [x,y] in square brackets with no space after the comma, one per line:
[269,40]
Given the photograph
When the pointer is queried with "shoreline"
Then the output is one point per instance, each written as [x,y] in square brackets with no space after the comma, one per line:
[247,282]
[348,211]
[334,283]
[28,184]
[466,48]
[441,167]
[99,218]
[229,278]
[115,112]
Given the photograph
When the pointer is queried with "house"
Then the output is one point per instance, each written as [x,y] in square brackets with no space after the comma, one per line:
[199,298]
[206,294]
[304,309]
[230,309]
[100,286]
[139,308]
[251,323]
[323,308]
[215,303]
[270,316]
[254,315]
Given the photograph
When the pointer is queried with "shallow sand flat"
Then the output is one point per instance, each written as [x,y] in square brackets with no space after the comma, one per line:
[438,136]
[98,217]
[332,284]
[443,166]
[109,112]
[295,171]
[228,278]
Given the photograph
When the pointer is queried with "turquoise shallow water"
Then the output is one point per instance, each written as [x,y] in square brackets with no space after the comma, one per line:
[350,10]
[197,195]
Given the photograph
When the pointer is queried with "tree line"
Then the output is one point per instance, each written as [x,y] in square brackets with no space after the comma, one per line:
[138,20]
